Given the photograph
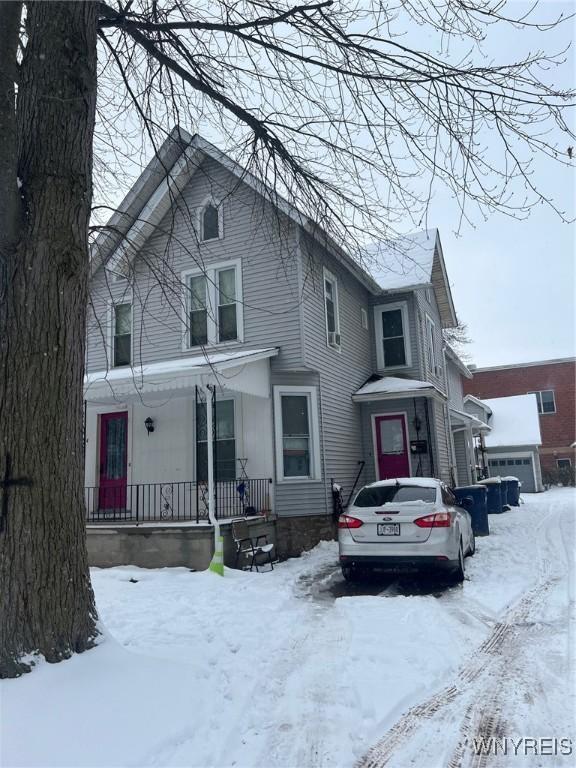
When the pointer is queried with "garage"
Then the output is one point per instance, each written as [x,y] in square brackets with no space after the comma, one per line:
[521,467]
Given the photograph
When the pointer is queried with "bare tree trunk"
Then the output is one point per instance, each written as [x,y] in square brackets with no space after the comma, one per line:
[46,600]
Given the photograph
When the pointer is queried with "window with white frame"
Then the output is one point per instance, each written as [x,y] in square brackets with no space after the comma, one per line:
[363,318]
[392,341]
[331,309]
[210,222]
[213,305]
[546,401]
[224,445]
[122,334]
[297,433]
[430,345]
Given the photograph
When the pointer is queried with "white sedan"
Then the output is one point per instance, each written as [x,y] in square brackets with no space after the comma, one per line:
[408,522]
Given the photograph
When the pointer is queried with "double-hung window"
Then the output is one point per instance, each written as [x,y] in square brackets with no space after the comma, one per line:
[227,314]
[430,346]
[331,310]
[224,444]
[392,343]
[546,402]
[122,334]
[297,440]
[213,305]
[198,311]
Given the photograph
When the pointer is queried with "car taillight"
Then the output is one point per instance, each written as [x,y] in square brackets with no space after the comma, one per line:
[438,520]
[345,521]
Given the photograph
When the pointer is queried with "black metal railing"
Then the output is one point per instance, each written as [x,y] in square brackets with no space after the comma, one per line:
[177,502]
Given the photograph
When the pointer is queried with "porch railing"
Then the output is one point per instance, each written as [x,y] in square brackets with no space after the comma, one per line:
[177,502]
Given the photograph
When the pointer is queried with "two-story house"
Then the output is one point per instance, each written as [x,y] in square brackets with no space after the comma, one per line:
[317,368]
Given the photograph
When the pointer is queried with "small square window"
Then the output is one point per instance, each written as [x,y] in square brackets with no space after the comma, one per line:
[563,463]
[525,461]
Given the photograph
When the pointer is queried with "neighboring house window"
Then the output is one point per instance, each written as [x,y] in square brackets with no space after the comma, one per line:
[363,318]
[122,342]
[198,311]
[428,293]
[213,305]
[331,309]
[297,434]
[225,444]
[227,316]
[392,348]
[546,402]
[563,463]
[430,347]
[210,224]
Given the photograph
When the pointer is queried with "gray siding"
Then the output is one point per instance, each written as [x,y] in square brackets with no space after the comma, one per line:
[444,464]
[455,387]
[412,407]
[264,241]
[414,370]
[463,453]
[423,308]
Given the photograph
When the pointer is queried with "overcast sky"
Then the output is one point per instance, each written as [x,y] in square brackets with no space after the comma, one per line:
[514,282]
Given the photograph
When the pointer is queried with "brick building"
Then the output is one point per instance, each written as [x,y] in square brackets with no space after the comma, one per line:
[554,382]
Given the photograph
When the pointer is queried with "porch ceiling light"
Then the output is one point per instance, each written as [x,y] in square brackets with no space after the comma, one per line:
[149,424]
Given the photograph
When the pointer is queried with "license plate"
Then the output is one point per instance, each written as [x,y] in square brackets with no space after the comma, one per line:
[388,529]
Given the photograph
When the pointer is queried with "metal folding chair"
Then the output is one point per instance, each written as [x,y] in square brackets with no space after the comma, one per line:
[249,547]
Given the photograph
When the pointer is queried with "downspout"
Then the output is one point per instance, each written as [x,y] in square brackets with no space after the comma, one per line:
[432,465]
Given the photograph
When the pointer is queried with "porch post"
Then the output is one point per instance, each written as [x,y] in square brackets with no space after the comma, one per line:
[217,563]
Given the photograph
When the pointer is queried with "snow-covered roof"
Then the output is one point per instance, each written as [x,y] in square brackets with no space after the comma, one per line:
[224,368]
[454,358]
[515,421]
[394,386]
[482,403]
[420,482]
[469,418]
[405,262]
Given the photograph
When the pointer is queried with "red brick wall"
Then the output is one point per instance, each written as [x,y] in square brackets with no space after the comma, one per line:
[558,429]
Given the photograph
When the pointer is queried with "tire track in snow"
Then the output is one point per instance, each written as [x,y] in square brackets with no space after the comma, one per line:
[502,639]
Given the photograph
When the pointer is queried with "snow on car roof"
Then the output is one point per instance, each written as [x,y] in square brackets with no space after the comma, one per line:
[515,421]
[420,482]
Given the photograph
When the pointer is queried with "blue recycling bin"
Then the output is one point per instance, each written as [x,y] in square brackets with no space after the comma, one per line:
[479,510]
[504,493]
[513,490]
[494,495]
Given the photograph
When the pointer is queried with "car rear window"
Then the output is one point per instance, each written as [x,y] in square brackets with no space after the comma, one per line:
[384,494]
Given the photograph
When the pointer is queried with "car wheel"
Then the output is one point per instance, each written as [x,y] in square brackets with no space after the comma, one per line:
[349,573]
[472,545]
[460,570]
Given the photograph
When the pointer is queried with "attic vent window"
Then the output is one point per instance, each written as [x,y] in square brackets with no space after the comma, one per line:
[210,223]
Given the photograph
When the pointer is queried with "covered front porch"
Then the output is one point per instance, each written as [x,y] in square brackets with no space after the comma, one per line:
[147,440]
[403,427]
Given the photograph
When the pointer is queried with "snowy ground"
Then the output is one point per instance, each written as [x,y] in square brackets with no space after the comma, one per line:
[295,668]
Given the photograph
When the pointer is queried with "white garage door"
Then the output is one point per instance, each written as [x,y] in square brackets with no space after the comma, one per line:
[521,468]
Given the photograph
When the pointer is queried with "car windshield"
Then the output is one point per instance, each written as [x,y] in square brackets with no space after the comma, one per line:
[378,495]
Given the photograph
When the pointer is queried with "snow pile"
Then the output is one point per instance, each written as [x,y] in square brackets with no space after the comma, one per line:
[514,421]
[294,667]
[403,263]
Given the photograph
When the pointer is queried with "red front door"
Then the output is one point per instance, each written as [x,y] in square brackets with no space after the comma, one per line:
[391,447]
[113,455]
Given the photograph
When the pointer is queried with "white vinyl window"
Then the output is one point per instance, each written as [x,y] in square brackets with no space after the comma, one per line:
[213,305]
[297,433]
[210,222]
[331,310]
[122,334]
[392,339]
[363,318]
[430,345]
[546,401]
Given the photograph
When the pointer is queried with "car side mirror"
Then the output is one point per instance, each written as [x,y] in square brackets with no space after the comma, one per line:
[467,502]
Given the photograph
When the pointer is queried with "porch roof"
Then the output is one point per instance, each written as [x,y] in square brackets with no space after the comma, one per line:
[245,370]
[393,387]
[463,418]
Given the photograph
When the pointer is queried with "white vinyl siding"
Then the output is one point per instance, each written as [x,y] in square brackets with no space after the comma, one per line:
[331,309]
[122,335]
[430,345]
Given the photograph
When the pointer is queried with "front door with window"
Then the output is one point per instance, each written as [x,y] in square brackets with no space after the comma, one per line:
[391,446]
[113,460]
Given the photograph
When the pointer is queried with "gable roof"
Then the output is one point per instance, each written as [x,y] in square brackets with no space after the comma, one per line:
[173,166]
[414,261]
[453,356]
[482,403]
